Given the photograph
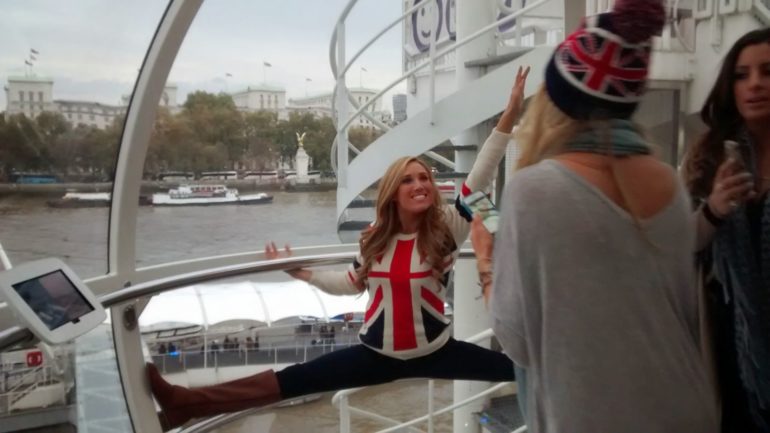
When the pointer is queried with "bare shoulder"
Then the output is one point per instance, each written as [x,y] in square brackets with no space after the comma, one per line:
[640,182]
[649,183]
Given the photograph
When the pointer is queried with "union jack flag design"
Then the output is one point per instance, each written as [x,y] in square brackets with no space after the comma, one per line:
[405,315]
[601,65]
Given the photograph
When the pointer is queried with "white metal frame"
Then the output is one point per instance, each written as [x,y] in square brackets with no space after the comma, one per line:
[123,214]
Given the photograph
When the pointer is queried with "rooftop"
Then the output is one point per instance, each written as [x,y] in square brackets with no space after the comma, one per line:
[262,87]
[30,79]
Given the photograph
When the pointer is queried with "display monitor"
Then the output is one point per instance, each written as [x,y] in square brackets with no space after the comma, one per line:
[51,300]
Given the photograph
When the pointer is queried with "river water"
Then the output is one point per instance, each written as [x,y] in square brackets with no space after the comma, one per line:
[30,230]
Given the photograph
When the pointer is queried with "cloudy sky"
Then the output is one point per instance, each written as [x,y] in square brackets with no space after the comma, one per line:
[94,48]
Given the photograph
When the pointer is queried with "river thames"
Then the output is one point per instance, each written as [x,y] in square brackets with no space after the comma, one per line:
[32,230]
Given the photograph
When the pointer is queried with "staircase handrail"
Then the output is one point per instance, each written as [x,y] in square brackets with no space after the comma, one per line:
[333,62]
[762,7]
[21,380]
[468,39]
[675,24]
[361,109]
[17,396]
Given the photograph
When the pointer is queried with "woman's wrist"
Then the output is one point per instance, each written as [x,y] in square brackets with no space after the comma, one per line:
[483,264]
[712,217]
[506,122]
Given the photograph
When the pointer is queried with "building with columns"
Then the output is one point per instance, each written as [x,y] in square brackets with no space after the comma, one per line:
[262,97]
[33,95]
[29,95]
[321,105]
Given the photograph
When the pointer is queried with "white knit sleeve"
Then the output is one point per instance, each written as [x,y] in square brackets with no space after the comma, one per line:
[487,161]
[338,282]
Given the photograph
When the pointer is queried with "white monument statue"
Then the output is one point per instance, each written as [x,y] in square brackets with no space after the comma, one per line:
[301,160]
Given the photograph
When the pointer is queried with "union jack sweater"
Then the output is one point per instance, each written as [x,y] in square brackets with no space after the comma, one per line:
[404,317]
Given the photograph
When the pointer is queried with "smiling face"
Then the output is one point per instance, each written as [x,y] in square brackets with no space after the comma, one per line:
[752,83]
[415,193]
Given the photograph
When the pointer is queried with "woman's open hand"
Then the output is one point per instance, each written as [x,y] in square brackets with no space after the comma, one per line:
[515,102]
[272,252]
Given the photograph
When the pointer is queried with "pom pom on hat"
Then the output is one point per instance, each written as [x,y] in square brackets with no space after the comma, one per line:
[600,70]
[638,20]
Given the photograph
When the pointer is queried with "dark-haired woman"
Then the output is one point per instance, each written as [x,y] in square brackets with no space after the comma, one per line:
[734,228]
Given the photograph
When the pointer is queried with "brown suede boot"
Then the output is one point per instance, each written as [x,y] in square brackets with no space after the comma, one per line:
[180,404]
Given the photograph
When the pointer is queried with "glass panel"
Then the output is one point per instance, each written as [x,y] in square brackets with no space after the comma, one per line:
[234,116]
[254,321]
[56,176]
[56,172]
[101,407]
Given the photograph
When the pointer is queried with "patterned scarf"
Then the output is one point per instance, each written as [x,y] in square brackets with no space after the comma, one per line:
[747,278]
[618,138]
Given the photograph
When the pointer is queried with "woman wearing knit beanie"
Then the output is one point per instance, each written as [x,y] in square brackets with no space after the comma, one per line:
[593,289]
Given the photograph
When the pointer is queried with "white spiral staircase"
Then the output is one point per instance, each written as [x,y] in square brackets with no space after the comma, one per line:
[687,54]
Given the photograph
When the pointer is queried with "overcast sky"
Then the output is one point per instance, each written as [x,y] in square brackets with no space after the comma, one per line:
[94,48]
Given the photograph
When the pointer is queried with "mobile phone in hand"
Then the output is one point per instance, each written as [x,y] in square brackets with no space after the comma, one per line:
[733,151]
[480,204]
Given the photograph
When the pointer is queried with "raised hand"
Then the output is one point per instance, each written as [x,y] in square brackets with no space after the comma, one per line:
[515,102]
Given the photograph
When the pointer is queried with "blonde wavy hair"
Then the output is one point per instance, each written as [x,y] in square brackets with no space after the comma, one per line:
[434,239]
[544,130]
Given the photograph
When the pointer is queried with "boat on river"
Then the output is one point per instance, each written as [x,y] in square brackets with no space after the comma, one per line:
[207,195]
[81,199]
[74,199]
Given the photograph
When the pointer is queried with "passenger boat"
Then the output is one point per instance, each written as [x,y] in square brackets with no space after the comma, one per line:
[74,199]
[207,195]
[81,199]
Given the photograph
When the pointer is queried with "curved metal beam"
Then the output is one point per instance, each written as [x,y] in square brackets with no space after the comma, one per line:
[140,118]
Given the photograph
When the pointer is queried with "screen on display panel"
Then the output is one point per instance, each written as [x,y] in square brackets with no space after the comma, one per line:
[54,299]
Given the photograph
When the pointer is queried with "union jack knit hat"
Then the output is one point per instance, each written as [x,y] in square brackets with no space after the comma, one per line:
[600,70]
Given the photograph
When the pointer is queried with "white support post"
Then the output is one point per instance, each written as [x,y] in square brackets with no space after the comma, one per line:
[469,312]
[344,415]
[432,100]
[342,111]
[431,390]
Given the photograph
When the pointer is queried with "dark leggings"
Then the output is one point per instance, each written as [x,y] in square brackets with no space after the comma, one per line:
[360,366]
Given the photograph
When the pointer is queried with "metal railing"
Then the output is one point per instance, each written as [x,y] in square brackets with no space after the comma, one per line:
[17,335]
[17,384]
[336,59]
[342,401]
[183,360]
